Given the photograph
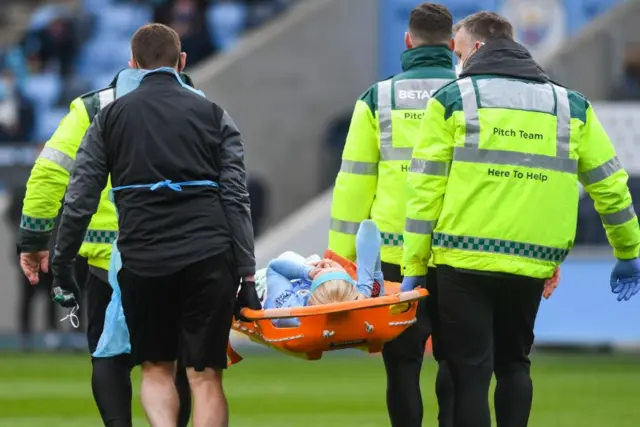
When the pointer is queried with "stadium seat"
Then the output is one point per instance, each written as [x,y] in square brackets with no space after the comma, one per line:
[104,55]
[47,121]
[96,6]
[225,22]
[43,89]
[121,20]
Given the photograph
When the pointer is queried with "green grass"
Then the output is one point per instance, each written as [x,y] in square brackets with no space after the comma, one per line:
[270,390]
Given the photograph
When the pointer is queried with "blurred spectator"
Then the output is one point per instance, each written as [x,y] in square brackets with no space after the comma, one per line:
[51,41]
[17,117]
[187,18]
[629,87]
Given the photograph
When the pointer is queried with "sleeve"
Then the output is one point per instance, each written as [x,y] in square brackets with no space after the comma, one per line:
[88,179]
[426,185]
[604,178]
[280,292]
[49,179]
[355,186]
[235,198]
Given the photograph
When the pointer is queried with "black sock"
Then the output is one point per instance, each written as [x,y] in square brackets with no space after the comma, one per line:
[111,385]
[184,394]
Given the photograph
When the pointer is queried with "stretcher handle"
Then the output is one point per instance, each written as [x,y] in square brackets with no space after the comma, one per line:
[313,310]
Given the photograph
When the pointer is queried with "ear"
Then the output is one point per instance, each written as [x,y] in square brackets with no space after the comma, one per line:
[452,45]
[133,63]
[407,40]
[182,62]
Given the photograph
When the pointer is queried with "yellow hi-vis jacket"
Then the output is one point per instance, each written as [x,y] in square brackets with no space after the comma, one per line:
[495,174]
[377,152]
[50,177]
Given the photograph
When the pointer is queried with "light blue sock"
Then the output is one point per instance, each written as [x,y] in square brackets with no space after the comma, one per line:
[368,243]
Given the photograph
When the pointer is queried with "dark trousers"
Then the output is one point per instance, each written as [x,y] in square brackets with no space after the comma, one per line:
[487,326]
[111,376]
[403,359]
[27,295]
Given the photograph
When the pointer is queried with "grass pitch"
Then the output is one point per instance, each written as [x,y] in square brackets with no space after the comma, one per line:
[343,389]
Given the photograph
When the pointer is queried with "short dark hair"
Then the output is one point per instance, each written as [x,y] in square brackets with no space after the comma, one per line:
[431,23]
[156,45]
[486,26]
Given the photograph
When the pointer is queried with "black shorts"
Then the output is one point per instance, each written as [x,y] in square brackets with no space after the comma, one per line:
[184,316]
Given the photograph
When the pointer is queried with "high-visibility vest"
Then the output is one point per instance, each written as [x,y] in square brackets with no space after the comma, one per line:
[50,175]
[372,178]
[495,176]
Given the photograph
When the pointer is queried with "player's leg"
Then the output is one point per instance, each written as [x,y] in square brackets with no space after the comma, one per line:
[110,378]
[403,359]
[207,300]
[466,320]
[444,383]
[517,306]
[152,315]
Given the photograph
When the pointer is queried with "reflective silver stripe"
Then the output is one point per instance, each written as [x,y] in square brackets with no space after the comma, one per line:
[106,97]
[603,171]
[414,94]
[359,168]
[37,224]
[397,153]
[57,157]
[515,158]
[430,168]
[506,247]
[470,111]
[620,217]
[101,236]
[515,95]
[384,117]
[346,227]
[504,93]
[418,226]
[563,127]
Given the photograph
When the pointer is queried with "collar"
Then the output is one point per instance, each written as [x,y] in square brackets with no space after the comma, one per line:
[427,56]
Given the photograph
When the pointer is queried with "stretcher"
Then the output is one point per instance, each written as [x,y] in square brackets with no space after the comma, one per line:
[364,324]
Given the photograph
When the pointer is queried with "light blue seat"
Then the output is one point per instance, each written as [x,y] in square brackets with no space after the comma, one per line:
[104,55]
[47,121]
[43,89]
[121,20]
[226,22]
[94,7]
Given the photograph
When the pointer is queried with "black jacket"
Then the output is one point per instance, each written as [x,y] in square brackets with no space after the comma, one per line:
[162,131]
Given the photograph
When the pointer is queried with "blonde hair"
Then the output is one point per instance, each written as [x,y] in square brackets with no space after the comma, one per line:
[333,291]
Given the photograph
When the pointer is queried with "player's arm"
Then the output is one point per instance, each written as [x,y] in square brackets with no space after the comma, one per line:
[356,183]
[235,198]
[49,180]
[426,184]
[604,178]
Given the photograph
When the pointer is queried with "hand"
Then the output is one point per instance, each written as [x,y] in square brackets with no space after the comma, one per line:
[625,278]
[314,272]
[33,263]
[65,292]
[409,283]
[247,298]
[551,283]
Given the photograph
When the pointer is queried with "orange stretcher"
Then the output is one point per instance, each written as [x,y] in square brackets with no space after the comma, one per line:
[364,324]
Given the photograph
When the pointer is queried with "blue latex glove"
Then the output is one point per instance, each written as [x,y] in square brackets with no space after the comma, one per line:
[625,278]
[409,283]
